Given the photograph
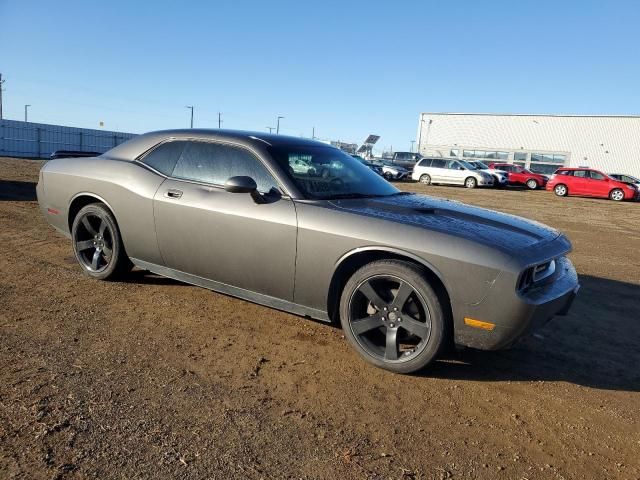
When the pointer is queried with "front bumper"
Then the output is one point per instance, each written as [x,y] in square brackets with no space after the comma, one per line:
[516,315]
[485,182]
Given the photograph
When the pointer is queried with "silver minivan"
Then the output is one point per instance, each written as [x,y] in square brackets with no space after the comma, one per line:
[450,171]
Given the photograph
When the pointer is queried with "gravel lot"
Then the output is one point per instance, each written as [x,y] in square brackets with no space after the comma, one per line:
[151,378]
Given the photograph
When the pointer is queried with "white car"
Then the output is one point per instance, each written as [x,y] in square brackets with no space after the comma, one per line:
[394,172]
[450,172]
[500,177]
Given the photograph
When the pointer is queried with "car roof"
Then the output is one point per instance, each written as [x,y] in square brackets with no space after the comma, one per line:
[133,148]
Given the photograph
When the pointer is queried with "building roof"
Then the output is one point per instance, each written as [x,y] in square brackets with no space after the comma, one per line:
[530,115]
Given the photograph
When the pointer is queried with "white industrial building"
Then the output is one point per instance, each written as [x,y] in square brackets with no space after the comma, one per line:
[610,143]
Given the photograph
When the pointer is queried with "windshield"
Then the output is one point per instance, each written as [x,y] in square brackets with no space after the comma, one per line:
[479,165]
[326,172]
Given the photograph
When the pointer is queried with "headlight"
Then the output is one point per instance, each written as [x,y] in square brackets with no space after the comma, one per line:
[536,274]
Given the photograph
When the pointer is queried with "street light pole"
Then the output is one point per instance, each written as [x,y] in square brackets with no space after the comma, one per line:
[278,126]
[191,108]
[271,129]
[25,112]
[412,143]
[1,82]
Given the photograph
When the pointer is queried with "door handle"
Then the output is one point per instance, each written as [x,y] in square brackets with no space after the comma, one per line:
[173,193]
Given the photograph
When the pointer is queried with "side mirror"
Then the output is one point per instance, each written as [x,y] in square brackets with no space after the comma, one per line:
[461,168]
[240,184]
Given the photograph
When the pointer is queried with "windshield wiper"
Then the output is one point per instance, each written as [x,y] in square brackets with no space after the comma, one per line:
[339,196]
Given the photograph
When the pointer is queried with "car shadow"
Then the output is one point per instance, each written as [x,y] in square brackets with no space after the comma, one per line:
[15,190]
[144,277]
[597,345]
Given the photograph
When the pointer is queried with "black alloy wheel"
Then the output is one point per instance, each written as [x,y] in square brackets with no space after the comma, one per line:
[392,316]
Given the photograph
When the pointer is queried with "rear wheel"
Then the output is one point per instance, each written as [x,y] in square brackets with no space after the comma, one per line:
[97,244]
[616,195]
[392,316]
[426,179]
[532,184]
[561,190]
[471,182]
[388,176]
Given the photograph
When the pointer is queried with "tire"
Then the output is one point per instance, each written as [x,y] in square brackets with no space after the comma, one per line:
[97,243]
[617,195]
[532,184]
[561,190]
[470,182]
[425,178]
[388,176]
[376,287]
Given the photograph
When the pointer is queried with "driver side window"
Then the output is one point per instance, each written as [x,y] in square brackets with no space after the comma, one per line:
[215,163]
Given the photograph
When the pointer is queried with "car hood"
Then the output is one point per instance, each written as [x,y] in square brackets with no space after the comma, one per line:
[500,230]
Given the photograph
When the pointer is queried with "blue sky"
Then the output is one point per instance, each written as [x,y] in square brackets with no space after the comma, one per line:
[346,68]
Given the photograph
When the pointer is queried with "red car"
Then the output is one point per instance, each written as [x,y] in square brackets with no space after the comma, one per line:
[590,183]
[521,176]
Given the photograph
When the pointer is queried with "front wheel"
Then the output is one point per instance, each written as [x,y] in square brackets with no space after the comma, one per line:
[97,244]
[426,179]
[561,190]
[392,316]
[616,195]
[471,182]
[532,184]
[388,176]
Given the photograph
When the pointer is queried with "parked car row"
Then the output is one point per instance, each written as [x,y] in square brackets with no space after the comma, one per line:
[474,173]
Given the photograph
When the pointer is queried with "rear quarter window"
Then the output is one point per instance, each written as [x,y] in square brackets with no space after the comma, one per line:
[164,157]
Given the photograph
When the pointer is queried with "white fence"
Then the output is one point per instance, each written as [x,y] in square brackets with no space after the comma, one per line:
[39,140]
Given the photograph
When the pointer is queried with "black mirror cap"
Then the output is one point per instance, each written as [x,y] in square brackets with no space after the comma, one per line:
[240,184]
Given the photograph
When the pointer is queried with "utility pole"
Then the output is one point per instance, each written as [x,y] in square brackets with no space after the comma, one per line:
[412,142]
[25,112]
[191,108]
[278,126]
[313,133]
[1,82]
[219,119]
[271,129]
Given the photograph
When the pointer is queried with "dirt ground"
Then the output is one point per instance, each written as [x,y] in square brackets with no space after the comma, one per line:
[151,378]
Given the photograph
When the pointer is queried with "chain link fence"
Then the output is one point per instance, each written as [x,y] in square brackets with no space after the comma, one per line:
[39,140]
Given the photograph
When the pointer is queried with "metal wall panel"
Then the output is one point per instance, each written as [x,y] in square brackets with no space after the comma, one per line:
[608,142]
[39,140]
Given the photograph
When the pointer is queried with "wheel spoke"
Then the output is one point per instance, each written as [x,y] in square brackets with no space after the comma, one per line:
[96,259]
[102,227]
[107,251]
[87,225]
[366,324]
[402,295]
[391,350]
[84,245]
[414,327]
[368,291]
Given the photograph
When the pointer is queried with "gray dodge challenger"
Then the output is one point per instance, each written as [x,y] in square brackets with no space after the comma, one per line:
[300,226]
